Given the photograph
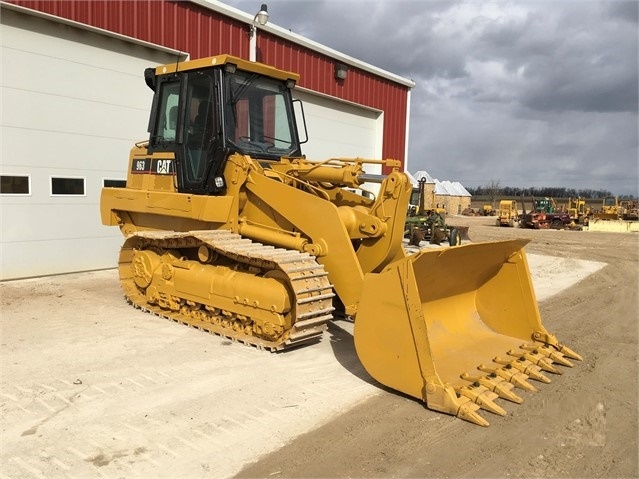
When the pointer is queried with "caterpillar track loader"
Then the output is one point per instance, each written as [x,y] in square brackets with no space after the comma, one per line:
[230,229]
[508,215]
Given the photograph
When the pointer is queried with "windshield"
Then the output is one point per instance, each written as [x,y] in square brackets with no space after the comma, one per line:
[258,116]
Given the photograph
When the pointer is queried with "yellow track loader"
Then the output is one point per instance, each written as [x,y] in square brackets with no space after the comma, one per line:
[230,229]
[508,215]
[609,209]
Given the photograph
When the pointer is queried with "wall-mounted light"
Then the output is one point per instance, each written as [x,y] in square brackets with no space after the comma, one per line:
[341,71]
[260,18]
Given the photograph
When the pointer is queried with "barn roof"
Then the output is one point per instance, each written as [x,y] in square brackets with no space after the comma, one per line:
[462,191]
[451,188]
[424,174]
[440,189]
[412,179]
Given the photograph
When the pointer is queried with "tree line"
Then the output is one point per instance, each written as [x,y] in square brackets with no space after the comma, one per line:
[494,190]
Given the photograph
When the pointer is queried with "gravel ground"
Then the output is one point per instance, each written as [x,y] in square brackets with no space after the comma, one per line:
[90,387]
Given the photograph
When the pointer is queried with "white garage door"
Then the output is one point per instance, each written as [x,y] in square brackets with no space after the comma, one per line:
[73,103]
[341,130]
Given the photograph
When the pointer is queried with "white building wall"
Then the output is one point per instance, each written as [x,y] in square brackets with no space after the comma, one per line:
[73,104]
[337,129]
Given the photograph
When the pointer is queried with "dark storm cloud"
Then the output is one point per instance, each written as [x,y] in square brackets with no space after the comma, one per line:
[566,64]
[345,26]
[628,10]
[527,93]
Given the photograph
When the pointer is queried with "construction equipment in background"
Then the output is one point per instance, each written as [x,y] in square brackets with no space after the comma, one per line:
[422,201]
[544,215]
[488,210]
[609,209]
[578,211]
[610,206]
[614,209]
[547,205]
[629,210]
[619,216]
[431,226]
[508,214]
[229,229]
[423,224]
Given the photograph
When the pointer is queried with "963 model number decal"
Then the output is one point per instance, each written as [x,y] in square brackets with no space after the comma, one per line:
[153,166]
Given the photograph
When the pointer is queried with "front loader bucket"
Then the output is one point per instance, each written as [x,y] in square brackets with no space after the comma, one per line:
[457,328]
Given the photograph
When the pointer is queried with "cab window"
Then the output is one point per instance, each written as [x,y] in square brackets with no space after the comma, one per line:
[167,118]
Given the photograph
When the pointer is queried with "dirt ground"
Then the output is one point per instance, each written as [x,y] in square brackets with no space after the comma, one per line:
[90,387]
[583,425]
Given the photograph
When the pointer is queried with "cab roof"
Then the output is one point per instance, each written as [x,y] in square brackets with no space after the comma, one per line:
[219,60]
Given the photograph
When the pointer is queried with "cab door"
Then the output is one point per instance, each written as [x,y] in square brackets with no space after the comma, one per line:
[187,124]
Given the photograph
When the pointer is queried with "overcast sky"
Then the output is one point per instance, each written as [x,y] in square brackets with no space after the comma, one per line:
[541,93]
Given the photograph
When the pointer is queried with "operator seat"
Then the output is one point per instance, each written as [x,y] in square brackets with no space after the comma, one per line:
[170,127]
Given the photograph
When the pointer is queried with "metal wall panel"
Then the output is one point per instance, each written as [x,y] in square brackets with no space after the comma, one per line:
[202,32]
[70,109]
[179,25]
[317,73]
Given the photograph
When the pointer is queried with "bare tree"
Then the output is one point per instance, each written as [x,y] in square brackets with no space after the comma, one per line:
[493,191]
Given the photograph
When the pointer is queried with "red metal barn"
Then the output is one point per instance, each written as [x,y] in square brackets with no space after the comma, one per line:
[73,81]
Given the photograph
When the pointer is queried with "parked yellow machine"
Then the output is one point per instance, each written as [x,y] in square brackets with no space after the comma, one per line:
[612,208]
[629,210]
[578,210]
[609,209]
[508,215]
[228,228]
[487,210]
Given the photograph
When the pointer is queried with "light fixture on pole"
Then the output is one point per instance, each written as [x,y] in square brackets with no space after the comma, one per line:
[260,18]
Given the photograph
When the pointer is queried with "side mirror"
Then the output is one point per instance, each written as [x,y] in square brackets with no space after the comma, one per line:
[298,109]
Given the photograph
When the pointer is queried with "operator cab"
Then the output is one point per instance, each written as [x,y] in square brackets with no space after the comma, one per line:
[205,110]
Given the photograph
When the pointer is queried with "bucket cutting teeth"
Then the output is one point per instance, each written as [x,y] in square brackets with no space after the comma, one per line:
[550,340]
[525,366]
[468,412]
[534,357]
[481,396]
[497,384]
[550,353]
[566,351]
[511,375]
